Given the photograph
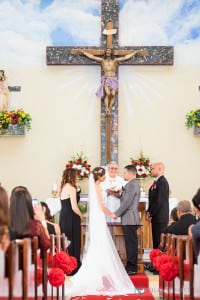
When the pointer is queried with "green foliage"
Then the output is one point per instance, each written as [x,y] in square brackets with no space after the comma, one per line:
[193,118]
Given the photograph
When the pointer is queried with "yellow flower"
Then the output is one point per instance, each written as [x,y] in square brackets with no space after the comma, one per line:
[23,115]
[198,124]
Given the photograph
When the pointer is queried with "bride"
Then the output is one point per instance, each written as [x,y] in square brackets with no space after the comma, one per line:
[102,272]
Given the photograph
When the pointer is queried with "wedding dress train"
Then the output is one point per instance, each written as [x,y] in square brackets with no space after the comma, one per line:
[102,272]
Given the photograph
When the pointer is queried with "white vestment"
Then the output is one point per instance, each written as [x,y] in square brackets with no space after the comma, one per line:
[112,202]
[101,272]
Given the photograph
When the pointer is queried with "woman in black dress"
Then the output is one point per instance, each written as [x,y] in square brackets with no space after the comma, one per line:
[70,215]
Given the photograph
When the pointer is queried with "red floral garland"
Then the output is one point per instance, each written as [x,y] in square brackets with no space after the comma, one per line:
[166,264]
[65,262]
[56,277]
[60,263]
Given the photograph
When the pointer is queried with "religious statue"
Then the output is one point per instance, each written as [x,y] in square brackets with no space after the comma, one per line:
[109,81]
[3,92]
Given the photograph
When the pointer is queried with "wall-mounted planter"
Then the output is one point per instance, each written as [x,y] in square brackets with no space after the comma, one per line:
[13,130]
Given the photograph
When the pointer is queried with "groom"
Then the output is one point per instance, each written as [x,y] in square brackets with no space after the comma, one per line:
[128,211]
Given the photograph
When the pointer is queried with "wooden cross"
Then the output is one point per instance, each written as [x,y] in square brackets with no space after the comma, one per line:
[157,55]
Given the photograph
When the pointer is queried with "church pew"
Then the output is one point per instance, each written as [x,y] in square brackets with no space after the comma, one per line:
[182,287]
[26,275]
[58,243]
[34,251]
[166,246]
[7,269]
[185,280]
[20,265]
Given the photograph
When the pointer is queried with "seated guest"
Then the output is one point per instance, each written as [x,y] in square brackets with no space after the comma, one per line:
[173,216]
[194,230]
[26,220]
[4,220]
[52,227]
[185,219]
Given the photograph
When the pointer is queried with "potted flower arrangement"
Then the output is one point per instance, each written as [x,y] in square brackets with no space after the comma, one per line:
[14,122]
[142,165]
[193,120]
[80,163]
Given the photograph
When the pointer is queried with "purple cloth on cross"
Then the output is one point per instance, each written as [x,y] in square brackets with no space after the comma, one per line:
[112,83]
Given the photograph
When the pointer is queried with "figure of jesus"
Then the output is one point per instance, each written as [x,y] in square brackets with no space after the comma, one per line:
[3,92]
[109,82]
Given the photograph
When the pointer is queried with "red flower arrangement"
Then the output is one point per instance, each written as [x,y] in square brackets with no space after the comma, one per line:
[56,277]
[142,165]
[80,163]
[59,264]
[166,264]
[154,253]
[169,271]
[65,262]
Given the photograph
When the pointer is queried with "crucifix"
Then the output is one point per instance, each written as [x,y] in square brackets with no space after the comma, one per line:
[150,55]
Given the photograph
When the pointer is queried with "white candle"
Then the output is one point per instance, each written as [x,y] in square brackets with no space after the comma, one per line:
[55,188]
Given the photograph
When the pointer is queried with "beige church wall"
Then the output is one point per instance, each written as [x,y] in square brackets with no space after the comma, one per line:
[153,100]
[156,125]
[66,120]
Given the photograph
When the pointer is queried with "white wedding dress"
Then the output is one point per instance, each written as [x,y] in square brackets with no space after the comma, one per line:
[102,272]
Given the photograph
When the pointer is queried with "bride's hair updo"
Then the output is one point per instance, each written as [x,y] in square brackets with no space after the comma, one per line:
[98,172]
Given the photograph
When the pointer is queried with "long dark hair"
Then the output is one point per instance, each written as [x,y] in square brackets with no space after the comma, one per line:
[69,176]
[48,215]
[4,217]
[21,211]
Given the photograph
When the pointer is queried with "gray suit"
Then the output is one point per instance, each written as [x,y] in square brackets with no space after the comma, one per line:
[128,211]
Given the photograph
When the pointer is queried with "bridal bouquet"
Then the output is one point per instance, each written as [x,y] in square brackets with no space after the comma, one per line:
[80,163]
[142,165]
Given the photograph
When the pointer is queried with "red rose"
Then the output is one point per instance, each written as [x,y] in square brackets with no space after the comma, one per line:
[168,271]
[65,262]
[154,253]
[56,277]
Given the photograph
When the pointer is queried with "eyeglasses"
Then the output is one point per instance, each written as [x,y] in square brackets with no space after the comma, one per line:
[113,168]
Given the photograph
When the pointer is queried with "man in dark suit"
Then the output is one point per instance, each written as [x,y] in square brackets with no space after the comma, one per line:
[128,211]
[186,218]
[158,210]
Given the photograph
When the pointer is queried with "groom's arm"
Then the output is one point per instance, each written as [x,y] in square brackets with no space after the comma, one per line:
[128,197]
